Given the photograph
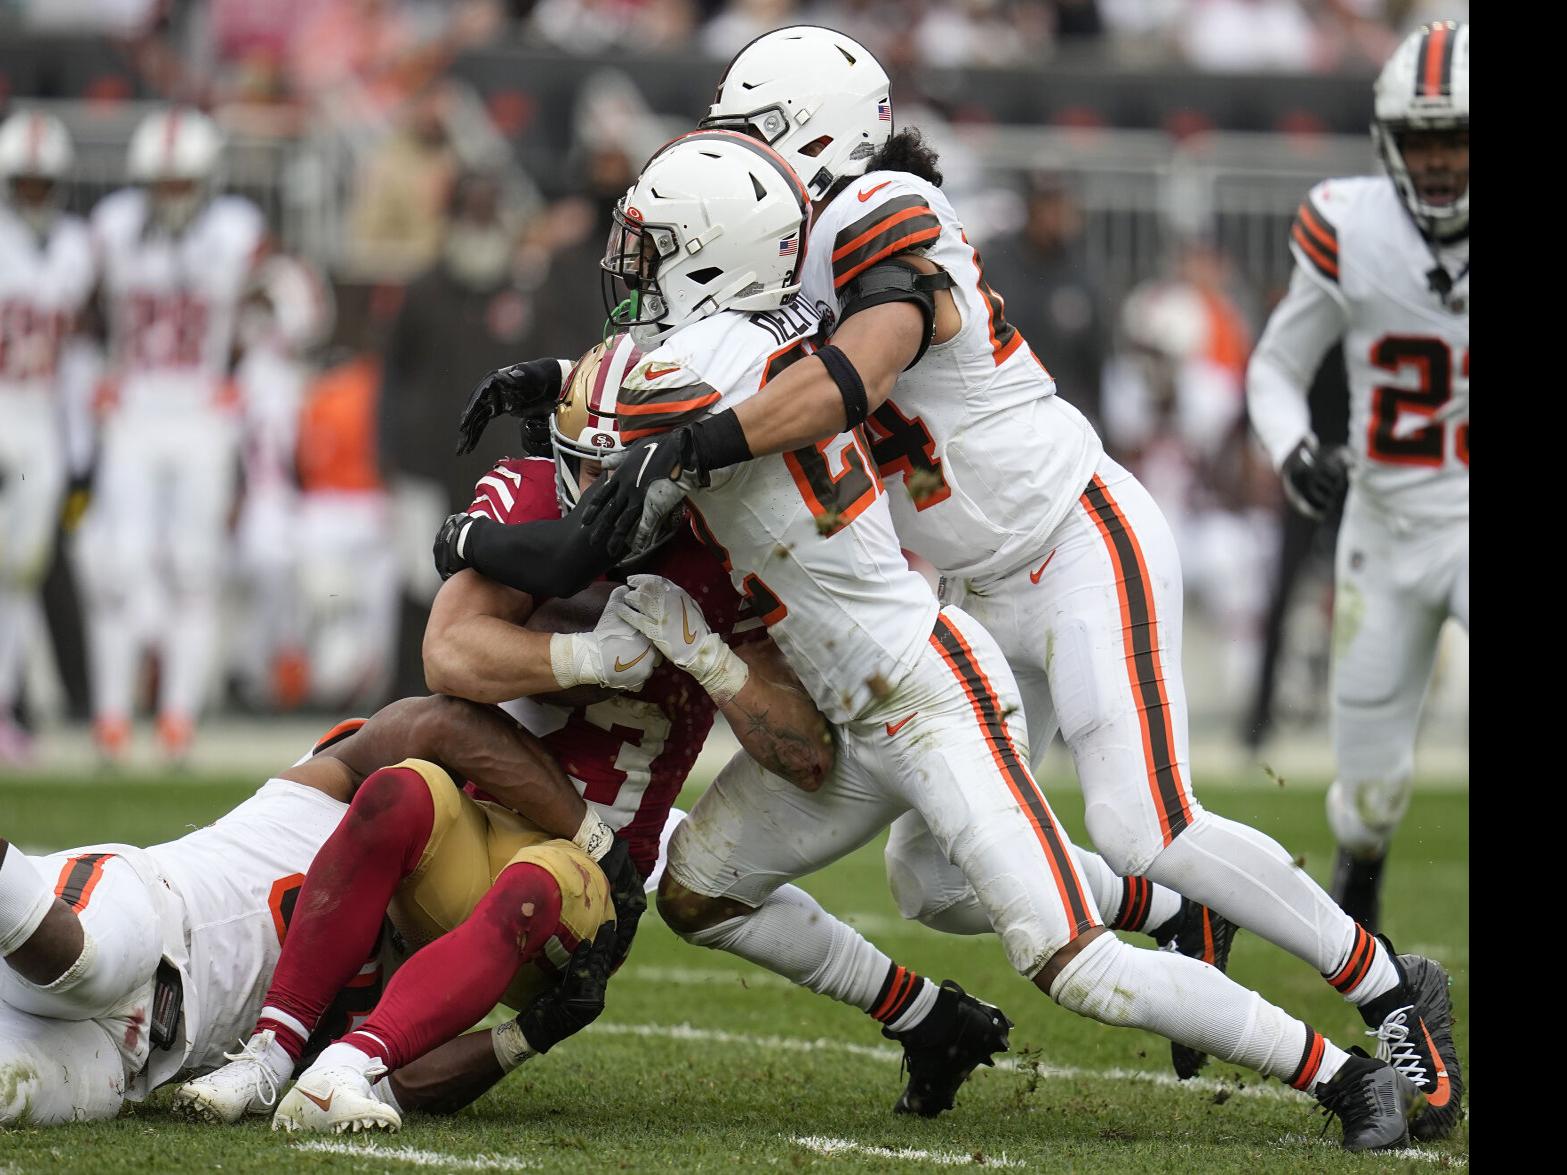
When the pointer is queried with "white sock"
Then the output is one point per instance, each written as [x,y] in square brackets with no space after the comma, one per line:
[338,1055]
[385,1093]
[1195,1005]
[1127,903]
[1249,879]
[791,935]
[275,1057]
[25,897]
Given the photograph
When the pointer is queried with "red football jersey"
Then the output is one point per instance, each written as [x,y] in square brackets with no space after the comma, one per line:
[630,754]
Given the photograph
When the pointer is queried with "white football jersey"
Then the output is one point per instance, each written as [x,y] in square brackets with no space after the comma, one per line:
[806,536]
[228,891]
[173,301]
[990,458]
[1361,276]
[43,285]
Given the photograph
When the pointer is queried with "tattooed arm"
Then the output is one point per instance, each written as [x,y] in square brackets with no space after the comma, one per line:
[776,721]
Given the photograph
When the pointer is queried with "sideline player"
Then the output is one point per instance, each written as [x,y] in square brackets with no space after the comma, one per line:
[709,241]
[1382,265]
[46,276]
[128,968]
[177,260]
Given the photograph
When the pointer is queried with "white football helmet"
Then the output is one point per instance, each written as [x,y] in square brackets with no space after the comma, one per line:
[1424,87]
[814,95]
[34,147]
[175,153]
[716,221]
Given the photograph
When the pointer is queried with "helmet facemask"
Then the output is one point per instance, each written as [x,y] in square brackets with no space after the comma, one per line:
[632,257]
[35,199]
[1447,215]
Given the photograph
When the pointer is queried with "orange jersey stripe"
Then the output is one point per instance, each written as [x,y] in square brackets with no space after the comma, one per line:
[897,246]
[880,227]
[1324,262]
[665,407]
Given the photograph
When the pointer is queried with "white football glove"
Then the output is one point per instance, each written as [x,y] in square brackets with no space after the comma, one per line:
[614,654]
[672,621]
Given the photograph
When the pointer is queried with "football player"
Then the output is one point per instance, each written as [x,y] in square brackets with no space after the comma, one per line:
[46,276]
[1382,266]
[943,1030]
[711,241]
[128,968]
[1005,487]
[177,260]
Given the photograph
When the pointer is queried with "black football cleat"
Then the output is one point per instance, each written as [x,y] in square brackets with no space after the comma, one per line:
[960,1033]
[1372,1101]
[1198,933]
[1413,1024]
[1357,887]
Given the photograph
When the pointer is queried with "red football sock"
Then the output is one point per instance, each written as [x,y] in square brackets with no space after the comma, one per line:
[345,895]
[455,981]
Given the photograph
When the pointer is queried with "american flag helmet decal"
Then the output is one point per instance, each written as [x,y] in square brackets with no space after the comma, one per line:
[789,246]
[884,111]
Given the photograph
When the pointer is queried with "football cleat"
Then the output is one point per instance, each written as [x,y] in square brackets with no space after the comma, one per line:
[960,1033]
[248,1084]
[1372,1101]
[1413,1025]
[1357,888]
[1198,933]
[336,1100]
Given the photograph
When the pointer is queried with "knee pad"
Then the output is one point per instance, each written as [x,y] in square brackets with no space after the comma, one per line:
[525,905]
[922,896]
[1364,813]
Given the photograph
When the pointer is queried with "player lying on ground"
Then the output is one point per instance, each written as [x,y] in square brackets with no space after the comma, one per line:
[473,649]
[127,968]
[1382,265]
[708,241]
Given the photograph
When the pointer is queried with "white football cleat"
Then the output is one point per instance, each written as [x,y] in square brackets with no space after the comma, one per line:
[336,1100]
[248,1084]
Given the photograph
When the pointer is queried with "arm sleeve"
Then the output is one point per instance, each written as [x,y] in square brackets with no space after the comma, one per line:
[1304,325]
[552,557]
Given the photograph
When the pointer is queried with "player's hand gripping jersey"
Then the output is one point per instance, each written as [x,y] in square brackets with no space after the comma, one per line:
[173,300]
[629,754]
[840,600]
[991,458]
[1360,276]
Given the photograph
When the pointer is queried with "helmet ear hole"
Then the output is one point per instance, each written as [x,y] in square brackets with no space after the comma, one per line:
[816,146]
[703,276]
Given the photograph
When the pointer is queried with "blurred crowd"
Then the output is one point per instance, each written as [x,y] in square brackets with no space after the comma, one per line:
[347,371]
[301,50]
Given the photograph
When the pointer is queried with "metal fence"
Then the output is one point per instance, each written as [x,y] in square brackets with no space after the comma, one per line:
[1140,191]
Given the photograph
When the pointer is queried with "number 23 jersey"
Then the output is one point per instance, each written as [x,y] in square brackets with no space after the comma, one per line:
[1361,277]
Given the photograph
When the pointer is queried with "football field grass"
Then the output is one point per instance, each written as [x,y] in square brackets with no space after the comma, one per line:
[703,1063]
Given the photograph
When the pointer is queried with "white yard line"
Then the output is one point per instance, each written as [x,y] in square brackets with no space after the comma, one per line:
[415,1157]
[838,1146]
[1408,1153]
[686,1033]
[706,976]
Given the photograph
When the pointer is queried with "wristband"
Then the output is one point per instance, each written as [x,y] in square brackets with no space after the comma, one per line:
[511,1046]
[570,662]
[594,837]
[718,442]
[719,671]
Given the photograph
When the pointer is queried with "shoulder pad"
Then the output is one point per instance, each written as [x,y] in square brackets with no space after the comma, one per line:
[896,218]
[660,394]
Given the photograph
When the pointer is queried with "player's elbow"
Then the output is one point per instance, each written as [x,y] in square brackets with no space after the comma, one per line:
[448,670]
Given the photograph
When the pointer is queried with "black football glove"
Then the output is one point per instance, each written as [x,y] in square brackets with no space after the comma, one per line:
[576,1001]
[627,894]
[452,540]
[523,389]
[641,492]
[1316,479]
